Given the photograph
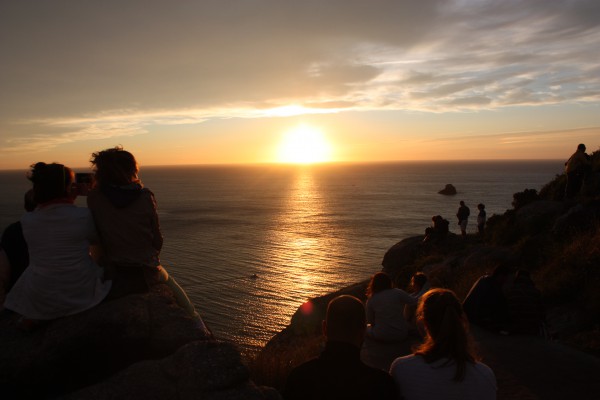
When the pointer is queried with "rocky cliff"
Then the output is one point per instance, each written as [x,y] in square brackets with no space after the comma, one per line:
[136,347]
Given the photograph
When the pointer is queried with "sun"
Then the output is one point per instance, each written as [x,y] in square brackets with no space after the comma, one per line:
[304,144]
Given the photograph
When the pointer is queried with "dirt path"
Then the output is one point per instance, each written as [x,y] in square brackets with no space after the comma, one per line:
[529,367]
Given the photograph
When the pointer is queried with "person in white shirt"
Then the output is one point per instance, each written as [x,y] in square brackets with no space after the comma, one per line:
[444,366]
[387,329]
[62,279]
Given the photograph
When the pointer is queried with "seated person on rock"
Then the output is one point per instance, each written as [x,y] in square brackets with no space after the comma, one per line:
[387,328]
[485,304]
[61,279]
[128,226]
[445,365]
[525,308]
[438,230]
[14,256]
[338,373]
[419,285]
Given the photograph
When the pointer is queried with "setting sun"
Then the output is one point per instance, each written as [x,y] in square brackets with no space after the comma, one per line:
[304,144]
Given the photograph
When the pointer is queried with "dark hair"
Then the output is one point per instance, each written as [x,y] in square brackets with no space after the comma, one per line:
[501,271]
[481,206]
[345,317]
[418,279]
[446,331]
[581,146]
[50,181]
[379,282]
[114,167]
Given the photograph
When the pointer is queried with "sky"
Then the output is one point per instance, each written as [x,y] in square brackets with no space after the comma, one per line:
[226,81]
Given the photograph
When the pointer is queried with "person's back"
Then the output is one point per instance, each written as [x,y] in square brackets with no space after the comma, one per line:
[485,304]
[444,366]
[338,373]
[127,220]
[422,381]
[61,278]
[125,212]
[127,223]
[14,255]
[385,313]
[525,306]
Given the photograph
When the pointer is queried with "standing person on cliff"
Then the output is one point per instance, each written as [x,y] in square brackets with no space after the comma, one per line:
[338,373]
[463,217]
[481,218]
[576,168]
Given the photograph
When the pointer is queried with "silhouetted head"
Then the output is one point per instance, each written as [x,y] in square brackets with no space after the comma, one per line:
[379,282]
[462,203]
[417,281]
[523,276]
[581,147]
[481,206]
[50,181]
[114,167]
[345,320]
[501,272]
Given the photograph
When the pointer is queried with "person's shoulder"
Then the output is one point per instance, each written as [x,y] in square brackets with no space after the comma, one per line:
[484,369]
[306,367]
[406,362]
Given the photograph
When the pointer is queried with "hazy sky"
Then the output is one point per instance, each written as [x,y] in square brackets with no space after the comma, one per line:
[189,82]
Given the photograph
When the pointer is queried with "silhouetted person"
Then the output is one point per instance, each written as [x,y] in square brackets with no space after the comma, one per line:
[14,256]
[338,373]
[576,168]
[485,305]
[387,329]
[126,216]
[61,279]
[481,218]
[438,230]
[463,218]
[525,308]
[419,285]
[445,365]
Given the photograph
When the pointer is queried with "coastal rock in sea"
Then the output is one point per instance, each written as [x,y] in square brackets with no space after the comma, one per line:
[449,190]
[115,339]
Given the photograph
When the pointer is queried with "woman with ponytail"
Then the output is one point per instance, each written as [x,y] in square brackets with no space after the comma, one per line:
[445,365]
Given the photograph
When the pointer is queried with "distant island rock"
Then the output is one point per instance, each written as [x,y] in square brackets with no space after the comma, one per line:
[449,190]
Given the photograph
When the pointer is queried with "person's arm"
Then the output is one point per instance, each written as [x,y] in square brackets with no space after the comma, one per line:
[4,276]
[157,238]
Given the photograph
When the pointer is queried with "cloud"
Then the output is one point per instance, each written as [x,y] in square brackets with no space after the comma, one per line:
[188,61]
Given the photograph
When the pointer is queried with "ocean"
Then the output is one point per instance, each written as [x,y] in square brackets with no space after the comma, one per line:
[250,244]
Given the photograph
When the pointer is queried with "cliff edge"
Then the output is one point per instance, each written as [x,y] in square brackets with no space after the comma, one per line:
[136,347]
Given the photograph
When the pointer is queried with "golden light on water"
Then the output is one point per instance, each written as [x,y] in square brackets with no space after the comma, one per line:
[304,144]
[304,254]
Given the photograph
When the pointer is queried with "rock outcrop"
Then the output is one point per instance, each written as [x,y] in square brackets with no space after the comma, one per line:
[136,347]
[449,190]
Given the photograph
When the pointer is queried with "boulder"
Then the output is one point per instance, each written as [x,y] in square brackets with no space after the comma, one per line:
[198,370]
[119,342]
[449,190]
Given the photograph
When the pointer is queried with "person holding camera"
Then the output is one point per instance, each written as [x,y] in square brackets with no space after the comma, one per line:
[61,279]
